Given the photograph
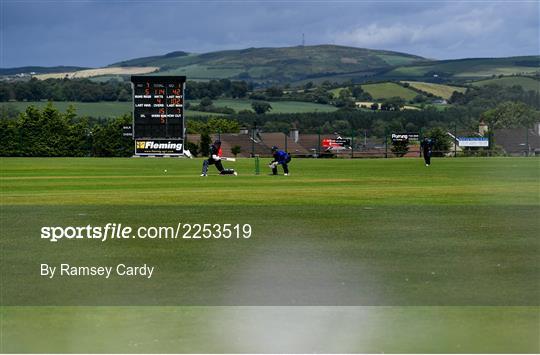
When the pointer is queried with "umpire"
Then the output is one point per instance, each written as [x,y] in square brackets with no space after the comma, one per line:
[427,149]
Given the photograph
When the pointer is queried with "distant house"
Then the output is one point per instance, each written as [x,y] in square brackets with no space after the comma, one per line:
[367,104]
[439,102]
[518,141]
[482,128]
[377,106]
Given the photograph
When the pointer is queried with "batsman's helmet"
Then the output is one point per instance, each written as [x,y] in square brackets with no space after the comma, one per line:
[274,148]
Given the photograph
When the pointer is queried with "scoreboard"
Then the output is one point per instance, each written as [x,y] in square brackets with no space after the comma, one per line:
[158,114]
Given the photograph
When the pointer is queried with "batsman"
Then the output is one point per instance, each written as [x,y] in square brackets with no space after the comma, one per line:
[215,159]
[280,158]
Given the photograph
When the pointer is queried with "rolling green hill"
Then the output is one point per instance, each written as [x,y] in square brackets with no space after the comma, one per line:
[285,64]
[468,68]
[301,64]
[526,83]
[38,70]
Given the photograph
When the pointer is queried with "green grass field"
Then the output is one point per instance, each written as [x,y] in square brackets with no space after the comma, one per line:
[277,106]
[285,64]
[381,255]
[469,68]
[93,109]
[386,90]
[440,90]
[202,72]
[526,83]
[115,109]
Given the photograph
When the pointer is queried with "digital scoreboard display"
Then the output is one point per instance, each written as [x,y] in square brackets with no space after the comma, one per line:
[158,106]
[158,114]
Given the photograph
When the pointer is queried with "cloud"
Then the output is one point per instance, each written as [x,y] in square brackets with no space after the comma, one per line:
[446,33]
[94,33]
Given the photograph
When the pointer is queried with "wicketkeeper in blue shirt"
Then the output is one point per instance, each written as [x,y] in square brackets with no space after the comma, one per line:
[280,158]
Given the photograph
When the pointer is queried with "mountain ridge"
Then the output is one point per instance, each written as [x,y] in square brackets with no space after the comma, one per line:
[298,64]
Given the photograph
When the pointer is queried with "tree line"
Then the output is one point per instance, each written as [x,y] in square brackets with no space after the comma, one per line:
[82,90]
[86,90]
[49,132]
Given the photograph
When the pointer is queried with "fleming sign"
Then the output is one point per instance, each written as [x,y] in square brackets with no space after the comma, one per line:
[159,146]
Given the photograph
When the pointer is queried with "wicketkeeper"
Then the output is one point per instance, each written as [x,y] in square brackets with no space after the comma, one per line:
[280,158]
[215,159]
[427,148]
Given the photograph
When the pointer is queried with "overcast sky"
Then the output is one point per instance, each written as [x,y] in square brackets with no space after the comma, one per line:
[96,33]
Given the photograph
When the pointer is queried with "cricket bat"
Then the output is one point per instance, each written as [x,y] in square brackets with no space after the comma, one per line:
[228,159]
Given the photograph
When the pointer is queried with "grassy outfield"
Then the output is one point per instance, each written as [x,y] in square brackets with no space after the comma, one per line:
[352,256]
